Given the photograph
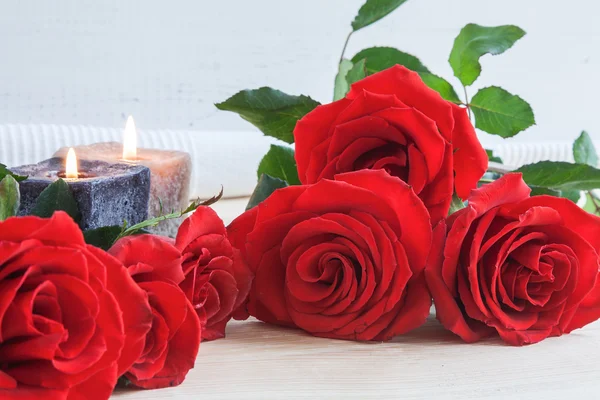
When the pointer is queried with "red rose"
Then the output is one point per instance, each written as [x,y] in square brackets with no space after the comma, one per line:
[391,120]
[524,267]
[217,279]
[72,319]
[172,344]
[341,258]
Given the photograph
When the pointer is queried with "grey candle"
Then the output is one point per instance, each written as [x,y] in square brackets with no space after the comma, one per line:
[107,194]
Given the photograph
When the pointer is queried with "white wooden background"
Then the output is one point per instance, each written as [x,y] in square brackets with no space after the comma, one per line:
[94,62]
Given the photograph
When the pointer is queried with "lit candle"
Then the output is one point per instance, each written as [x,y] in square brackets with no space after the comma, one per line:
[106,194]
[170,172]
[130,140]
[71,165]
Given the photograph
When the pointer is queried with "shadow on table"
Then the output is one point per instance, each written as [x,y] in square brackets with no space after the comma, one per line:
[430,333]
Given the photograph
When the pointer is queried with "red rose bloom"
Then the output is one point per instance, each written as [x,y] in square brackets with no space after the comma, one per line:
[524,267]
[341,258]
[172,344]
[392,121]
[71,318]
[217,279]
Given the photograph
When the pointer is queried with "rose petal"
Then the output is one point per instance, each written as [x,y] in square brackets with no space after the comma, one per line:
[408,87]
[311,130]
[470,159]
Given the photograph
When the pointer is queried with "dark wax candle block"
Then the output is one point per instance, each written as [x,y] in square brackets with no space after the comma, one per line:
[107,194]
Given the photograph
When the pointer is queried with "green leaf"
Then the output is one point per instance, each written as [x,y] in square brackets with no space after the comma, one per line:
[56,197]
[357,73]
[456,204]
[590,204]
[103,237]
[381,58]
[541,191]
[500,113]
[373,11]
[560,175]
[273,112]
[5,171]
[474,41]
[279,163]
[10,197]
[341,85]
[440,85]
[266,185]
[573,195]
[492,157]
[584,151]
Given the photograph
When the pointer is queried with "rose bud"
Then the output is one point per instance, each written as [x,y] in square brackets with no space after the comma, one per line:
[217,279]
[522,267]
[172,344]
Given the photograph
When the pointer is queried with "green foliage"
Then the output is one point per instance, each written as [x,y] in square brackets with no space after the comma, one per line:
[573,195]
[474,41]
[373,11]
[341,86]
[380,58]
[10,197]
[492,157]
[5,171]
[348,73]
[584,151]
[103,237]
[56,197]
[272,111]
[541,191]
[592,204]
[266,185]
[279,163]
[440,85]
[561,176]
[501,113]
[357,72]
[456,204]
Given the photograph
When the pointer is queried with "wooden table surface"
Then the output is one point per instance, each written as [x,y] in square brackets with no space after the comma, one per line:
[259,361]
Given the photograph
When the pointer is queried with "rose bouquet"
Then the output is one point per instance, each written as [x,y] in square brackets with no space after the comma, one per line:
[76,319]
[387,200]
[386,204]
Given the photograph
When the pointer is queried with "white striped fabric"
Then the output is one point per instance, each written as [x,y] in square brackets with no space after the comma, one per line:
[227,158]
[220,158]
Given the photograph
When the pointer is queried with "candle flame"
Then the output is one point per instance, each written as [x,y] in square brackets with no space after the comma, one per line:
[130,140]
[71,167]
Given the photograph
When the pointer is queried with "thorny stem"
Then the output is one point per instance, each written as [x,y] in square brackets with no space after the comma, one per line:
[467,101]
[345,45]
[595,203]
[498,168]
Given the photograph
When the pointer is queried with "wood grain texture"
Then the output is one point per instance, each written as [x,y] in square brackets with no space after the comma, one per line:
[259,361]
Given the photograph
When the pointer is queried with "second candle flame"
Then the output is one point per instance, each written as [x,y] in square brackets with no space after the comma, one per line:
[71,167]
[130,140]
